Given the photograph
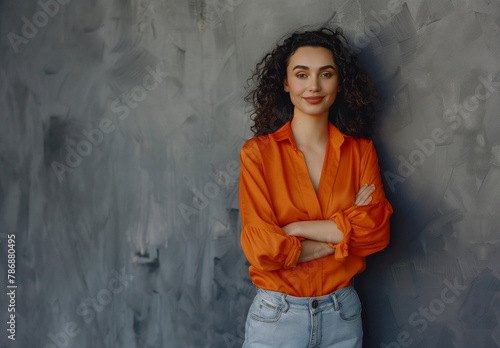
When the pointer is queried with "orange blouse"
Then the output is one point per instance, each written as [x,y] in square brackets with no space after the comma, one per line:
[275,189]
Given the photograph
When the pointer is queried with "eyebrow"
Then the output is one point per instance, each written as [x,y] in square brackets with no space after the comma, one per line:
[307,68]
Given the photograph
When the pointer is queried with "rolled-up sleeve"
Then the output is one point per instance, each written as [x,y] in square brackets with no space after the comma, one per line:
[365,228]
[265,244]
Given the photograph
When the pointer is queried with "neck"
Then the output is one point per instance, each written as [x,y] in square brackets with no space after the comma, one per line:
[309,130]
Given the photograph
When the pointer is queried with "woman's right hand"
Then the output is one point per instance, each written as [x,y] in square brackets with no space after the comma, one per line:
[363,196]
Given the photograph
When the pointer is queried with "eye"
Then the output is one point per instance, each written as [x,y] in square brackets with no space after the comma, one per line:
[301,75]
[327,74]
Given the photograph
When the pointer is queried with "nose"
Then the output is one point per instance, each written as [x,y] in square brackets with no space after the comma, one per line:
[314,85]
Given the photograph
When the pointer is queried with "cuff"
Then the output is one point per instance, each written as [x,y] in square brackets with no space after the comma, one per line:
[293,255]
[342,248]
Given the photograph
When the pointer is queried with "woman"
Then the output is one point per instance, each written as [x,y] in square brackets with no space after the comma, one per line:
[311,197]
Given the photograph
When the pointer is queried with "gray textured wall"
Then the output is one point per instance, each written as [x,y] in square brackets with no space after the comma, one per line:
[121,124]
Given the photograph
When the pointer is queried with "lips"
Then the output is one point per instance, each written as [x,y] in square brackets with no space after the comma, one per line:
[314,100]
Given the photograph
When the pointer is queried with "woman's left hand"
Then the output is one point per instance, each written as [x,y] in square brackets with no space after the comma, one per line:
[363,196]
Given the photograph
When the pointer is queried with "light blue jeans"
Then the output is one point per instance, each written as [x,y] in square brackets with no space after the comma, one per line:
[279,320]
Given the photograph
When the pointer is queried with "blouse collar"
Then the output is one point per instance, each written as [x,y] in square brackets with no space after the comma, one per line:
[335,136]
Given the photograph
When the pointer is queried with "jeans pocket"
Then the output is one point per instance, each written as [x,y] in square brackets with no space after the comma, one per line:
[265,311]
[350,306]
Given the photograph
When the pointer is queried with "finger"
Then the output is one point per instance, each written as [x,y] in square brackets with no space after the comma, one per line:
[360,196]
[365,201]
[363,195]
[362,187]
[364,192]
[361,190]
[365,187]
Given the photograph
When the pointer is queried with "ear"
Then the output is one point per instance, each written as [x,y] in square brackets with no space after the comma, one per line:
[285,85]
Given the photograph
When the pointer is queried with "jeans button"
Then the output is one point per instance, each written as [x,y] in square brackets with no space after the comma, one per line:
[314,304]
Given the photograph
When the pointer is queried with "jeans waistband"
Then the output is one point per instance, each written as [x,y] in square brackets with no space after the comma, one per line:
[307,302]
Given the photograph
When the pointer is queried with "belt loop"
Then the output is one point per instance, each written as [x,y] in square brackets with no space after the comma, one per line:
[335,301]
[285,302]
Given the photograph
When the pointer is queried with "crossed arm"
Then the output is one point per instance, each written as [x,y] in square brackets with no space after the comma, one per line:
[319,233]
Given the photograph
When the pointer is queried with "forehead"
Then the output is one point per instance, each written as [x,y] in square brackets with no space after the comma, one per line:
[311,56]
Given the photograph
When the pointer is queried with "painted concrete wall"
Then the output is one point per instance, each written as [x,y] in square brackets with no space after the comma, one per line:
[121,124]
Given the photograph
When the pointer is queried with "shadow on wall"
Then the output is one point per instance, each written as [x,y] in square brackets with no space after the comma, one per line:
[437,283]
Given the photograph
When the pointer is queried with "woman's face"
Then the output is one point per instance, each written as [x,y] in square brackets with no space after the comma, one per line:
[312,80]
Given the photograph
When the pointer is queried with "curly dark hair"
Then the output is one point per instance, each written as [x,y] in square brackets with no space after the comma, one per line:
[353,110]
